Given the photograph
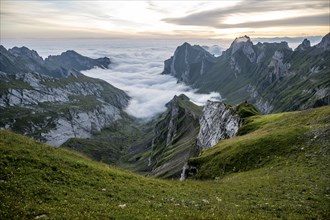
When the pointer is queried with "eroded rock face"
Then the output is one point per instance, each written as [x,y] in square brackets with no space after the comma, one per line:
[278,68]
[60,108]
[263,106]
[81,124]
[217,123]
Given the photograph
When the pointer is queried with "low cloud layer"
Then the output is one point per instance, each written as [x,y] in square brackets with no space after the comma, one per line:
[136,70]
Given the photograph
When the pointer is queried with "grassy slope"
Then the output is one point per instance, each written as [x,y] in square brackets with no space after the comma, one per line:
[288,154]
[37,180]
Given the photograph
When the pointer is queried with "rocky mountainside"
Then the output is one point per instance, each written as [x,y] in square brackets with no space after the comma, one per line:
[162,146]
[172,142]
[181,133]
[52,102]
[269,75]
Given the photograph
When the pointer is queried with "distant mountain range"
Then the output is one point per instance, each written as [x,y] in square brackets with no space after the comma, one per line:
[270,75]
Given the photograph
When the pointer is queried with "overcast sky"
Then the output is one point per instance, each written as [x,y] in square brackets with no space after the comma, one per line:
[163,19]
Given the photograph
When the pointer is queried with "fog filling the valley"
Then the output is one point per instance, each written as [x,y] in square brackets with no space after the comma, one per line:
[137,71]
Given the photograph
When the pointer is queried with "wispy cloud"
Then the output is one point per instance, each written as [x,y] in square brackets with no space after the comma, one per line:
[207,19]
[260,14]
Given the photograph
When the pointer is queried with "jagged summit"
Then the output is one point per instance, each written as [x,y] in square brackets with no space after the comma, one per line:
[181,97]
[325,42]
[175,101]
[247,45]
[241,41]
[244,38]
[304,45]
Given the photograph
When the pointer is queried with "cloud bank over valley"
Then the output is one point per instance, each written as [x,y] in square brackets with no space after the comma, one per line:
[137,71]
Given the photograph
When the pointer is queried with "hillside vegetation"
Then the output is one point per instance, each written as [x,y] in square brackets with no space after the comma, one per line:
[277,169]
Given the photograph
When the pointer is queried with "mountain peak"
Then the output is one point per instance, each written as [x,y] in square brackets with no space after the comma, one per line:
[181,97]
[186,44]
[325,42]
[241,42]
[304,45]
[244,39]
[25,52]
[70,53]
[175,99]
[2,48]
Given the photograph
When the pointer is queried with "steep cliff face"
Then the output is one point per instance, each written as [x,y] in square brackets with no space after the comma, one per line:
[188,62]
[217,122]
[54,109]
[269,75]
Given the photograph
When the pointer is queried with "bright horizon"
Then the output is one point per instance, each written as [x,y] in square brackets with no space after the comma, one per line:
[163,19]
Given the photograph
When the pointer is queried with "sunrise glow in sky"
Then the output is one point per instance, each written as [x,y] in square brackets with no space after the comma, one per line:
[163,19]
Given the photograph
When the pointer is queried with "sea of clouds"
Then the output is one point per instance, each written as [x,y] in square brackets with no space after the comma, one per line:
[136,68]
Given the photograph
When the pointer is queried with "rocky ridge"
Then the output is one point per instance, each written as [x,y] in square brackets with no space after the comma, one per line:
[175,138]
[270,75]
